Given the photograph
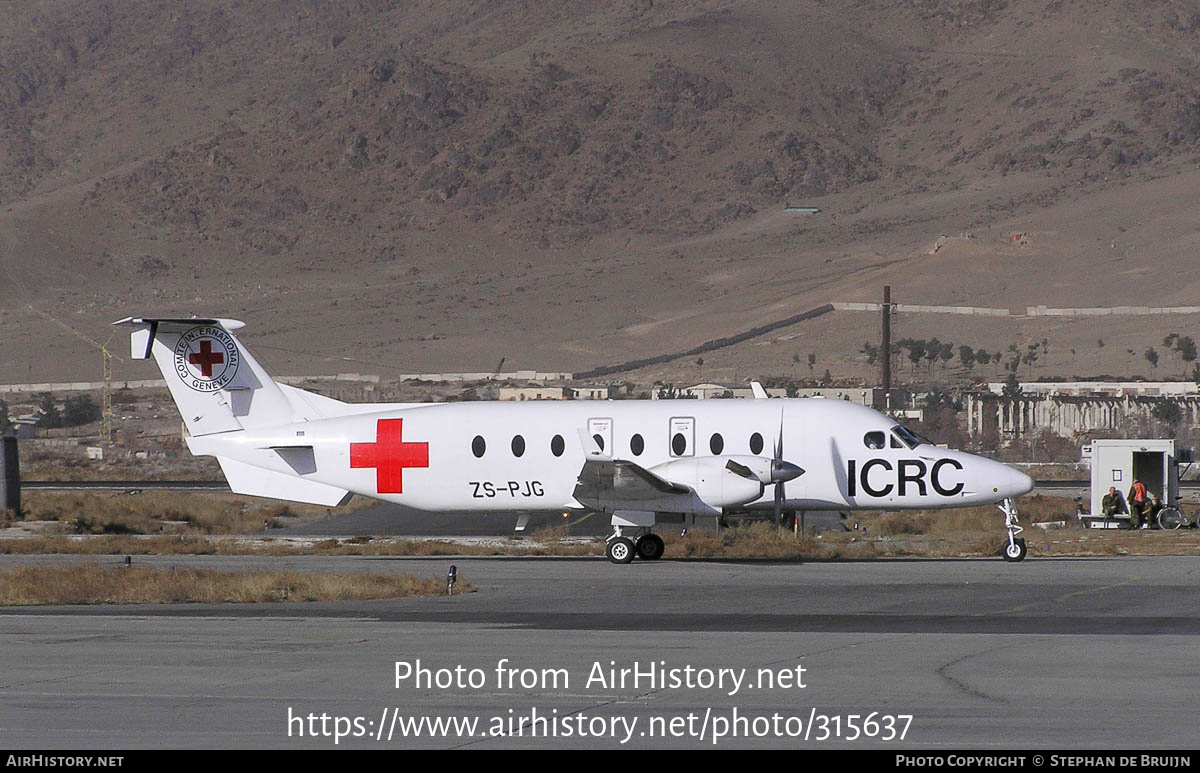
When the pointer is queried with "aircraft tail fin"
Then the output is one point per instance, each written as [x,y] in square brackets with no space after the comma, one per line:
[216,383]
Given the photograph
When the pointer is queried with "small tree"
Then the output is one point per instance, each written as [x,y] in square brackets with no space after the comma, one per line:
[79,410]
[1187,349]
[51,417]
[966,355]
[1168,412]
[946,353]
[916,352]
[933,350]
[812,360]
[1152,357]
[1012,387]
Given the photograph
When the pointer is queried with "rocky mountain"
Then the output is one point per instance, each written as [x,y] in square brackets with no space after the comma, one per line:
[437,185]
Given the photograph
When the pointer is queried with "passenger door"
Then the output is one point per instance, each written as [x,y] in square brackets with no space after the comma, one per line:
[682,437]
[601,431]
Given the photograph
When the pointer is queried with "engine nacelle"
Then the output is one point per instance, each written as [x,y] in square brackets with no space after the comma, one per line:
[720,481]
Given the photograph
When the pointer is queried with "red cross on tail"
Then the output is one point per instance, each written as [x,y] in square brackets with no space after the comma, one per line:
[206,358]
[389,455]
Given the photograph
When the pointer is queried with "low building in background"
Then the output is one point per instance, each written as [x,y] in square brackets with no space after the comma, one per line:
[1072,407]
[521,394]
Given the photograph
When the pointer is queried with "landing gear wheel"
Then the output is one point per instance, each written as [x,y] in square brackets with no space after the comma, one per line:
[1014,551]
[650,547]
[620,550]
[1014,546]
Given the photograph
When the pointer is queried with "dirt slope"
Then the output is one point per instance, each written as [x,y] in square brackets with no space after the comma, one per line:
[431,186]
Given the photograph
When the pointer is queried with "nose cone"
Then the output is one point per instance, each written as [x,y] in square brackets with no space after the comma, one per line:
[781,471]
[1014,483]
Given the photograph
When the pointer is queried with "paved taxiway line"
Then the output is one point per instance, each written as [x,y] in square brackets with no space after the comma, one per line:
[1062,652]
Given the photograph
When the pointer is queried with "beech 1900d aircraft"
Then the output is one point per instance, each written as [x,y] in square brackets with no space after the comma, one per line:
[643,462]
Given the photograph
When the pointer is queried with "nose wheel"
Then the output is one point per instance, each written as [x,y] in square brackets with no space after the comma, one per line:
[1014,550]
[1014,547]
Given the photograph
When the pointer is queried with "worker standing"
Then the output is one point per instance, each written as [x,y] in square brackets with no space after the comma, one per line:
[1137,504]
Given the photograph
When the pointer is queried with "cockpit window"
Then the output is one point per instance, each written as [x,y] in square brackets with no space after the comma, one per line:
[873,440]
[910,439]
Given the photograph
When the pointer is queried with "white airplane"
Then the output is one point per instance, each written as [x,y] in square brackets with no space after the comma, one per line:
[643,462]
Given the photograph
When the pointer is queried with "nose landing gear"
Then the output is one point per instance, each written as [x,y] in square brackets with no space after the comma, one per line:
[1014,548]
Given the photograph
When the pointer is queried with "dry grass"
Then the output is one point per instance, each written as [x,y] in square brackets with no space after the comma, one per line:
[756,540]
[95,584]
[165,512]
[226,546]
[975,531]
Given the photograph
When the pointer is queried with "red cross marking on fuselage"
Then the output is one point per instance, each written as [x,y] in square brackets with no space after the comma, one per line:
[206,358]
[389,455]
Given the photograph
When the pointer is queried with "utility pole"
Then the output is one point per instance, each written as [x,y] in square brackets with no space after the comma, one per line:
[885,352]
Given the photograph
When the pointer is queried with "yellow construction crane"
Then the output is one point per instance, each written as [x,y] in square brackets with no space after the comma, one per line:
[106,412]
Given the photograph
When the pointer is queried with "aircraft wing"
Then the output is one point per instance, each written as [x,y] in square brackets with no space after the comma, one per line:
[617,480]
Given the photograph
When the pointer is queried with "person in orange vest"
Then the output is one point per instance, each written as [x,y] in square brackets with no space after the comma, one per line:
[1137,505]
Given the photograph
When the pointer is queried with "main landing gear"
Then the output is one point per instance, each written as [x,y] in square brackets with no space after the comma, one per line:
[1014,548]
[626,543]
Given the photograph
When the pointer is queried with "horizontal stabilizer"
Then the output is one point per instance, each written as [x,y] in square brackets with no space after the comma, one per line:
[247,479]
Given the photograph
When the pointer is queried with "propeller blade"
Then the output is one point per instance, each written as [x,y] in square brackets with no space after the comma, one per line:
[779,440]
[777,466]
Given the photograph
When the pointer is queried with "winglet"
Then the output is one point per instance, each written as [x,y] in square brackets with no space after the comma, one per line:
[758,391]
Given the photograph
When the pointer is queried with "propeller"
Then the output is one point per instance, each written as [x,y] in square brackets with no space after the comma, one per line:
[782,471]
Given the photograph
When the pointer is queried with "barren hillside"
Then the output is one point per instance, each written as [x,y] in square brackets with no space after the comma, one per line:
[432,186]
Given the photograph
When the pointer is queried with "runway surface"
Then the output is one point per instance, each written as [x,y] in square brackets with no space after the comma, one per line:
[1067,653]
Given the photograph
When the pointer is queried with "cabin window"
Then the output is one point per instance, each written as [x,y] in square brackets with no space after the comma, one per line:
[910,438]
[873,440]
[756,444]
[679,444]
[716,444]
[557,446]
[518,445]
[637,445]
[478,446]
